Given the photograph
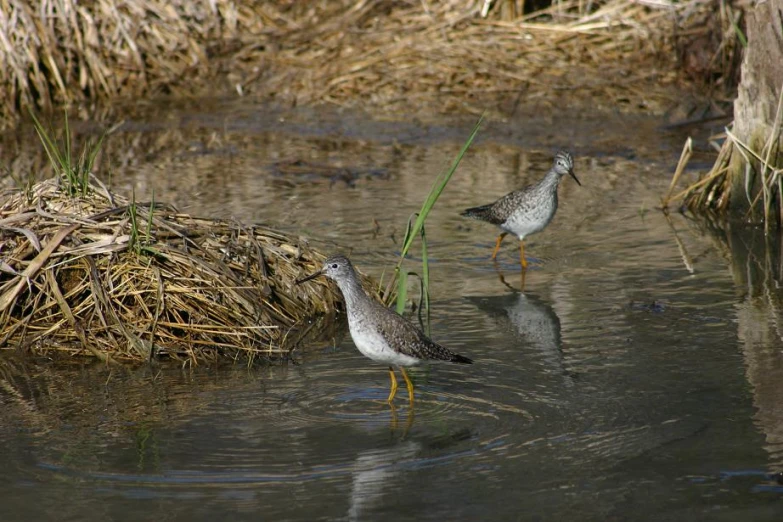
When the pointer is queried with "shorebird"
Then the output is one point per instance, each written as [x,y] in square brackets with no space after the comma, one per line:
[378,332]
[528,210]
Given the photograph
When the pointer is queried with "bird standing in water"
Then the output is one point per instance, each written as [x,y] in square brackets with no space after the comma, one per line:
[378,332]
[528,210]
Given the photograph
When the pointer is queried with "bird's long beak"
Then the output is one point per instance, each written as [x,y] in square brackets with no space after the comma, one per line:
[308,278]
[574,176]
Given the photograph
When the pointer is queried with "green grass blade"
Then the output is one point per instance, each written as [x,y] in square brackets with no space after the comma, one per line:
[133,243]
[425,282]
[402,291]
[148,238]
[388,296]
[73,172]
[740,35]
[408,237]
[68,166]
[49,146]
[437,189]
[416,228]
[94,150]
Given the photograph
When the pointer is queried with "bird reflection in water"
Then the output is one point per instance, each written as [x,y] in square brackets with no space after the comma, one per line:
[394,424]
[380,471]
[374,472]
[502,278]
[531,319]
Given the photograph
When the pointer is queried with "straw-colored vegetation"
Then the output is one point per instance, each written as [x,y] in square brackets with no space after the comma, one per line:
[438,54]
[95,273]
[739,167]
[745,181]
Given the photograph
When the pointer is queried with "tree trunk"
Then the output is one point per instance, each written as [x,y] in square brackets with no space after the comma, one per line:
[755,110]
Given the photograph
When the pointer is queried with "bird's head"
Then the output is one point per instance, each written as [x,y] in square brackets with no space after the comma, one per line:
[564,164]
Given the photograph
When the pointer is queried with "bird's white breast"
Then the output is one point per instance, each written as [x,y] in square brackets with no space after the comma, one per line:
[526,220]
[374,346]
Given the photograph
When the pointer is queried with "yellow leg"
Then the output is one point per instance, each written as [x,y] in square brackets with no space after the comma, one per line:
[393,385]
[497,244]
[408,383]
[522,277]
[394,419]
[522,260]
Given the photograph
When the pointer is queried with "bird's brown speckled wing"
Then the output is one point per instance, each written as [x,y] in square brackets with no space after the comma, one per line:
[409,340]
[498,212]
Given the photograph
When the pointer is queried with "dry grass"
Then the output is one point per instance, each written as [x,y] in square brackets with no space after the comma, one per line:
[443,55]
[744,175]
[100,275]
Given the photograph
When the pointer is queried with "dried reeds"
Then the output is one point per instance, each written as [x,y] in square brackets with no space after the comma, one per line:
[617,53]
[97,274]
[389,55]
[745,176]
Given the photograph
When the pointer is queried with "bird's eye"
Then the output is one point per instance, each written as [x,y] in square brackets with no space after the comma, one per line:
[334,265]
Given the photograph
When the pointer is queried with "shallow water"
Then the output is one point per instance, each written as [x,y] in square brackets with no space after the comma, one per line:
[636,378]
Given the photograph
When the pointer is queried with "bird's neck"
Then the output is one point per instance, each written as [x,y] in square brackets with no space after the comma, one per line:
[550,181]
[352,292]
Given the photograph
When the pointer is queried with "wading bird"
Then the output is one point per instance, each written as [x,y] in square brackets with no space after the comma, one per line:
[378,332]
[528,210]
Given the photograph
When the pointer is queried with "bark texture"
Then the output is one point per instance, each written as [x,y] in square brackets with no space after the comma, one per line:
[757,100]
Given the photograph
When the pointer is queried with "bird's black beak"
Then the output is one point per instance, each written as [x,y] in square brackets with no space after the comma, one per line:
[574,176]
[308,278]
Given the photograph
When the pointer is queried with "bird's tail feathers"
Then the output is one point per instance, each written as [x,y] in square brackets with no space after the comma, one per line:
[460,359]
[481,212]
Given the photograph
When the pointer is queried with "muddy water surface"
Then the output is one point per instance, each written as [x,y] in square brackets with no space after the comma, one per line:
[637,377]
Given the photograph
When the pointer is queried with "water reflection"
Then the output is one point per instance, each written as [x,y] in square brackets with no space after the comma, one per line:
[378,475]
[658,425]
[757,268]
[410,415]
[502,277]
[375,472]
[532,321]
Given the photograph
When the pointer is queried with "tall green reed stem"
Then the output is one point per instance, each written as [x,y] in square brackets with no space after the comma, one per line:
[416,229]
